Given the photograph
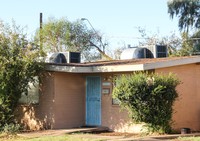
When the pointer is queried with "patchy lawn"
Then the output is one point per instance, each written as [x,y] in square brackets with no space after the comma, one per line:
[5,137]
[80,136]
[187,139]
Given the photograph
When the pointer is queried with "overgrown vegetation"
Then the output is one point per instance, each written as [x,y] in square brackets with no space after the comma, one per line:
[19,65]
[148,98]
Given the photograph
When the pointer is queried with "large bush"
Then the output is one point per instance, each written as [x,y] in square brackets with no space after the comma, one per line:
[18,66]
[148,98]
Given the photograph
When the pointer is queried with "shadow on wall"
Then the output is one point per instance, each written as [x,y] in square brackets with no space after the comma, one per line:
[29,119]
[26,117]
[39,116]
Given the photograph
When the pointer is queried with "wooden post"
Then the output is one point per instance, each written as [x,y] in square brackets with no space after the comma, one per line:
[41,42]
[40,20]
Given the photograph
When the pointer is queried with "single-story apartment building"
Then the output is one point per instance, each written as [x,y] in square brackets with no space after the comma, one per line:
[80,94]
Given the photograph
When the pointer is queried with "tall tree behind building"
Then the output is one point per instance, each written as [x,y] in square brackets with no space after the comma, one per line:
[59,35]
[187,11]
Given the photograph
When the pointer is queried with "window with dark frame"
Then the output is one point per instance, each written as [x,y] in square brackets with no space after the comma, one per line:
[115,101]
[33,94]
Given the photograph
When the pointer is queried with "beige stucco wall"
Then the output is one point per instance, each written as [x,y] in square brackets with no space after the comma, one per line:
[41,115]
[69,100]
[61,103]
[187,107]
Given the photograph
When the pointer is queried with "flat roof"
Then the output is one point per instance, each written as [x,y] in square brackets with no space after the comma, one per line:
[122,65]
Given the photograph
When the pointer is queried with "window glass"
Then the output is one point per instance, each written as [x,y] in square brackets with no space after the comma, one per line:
[115,101]
[33,94]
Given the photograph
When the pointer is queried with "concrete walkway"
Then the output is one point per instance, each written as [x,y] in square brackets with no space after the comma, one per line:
[104,137]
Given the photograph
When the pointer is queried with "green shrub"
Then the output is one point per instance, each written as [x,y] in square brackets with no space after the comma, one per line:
[19,66]
[11,128]
[148,98]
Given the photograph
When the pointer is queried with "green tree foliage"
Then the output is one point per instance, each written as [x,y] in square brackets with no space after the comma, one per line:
[59,35]
[187,48]
[196,41]
[189,45]
[185,45]
[148,98]
[187,11]
[173,42]
[19,65]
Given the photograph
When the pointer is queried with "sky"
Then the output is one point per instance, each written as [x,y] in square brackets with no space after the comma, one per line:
[116,19]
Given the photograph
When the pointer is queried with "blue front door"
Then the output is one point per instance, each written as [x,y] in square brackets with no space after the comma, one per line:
[93,100]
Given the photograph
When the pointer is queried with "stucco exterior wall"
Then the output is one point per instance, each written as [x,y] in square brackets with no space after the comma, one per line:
[113,116]
[61,103]
[187,107]
[69,100]
[41,115]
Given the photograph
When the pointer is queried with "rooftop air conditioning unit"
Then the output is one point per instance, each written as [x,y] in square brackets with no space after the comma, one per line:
[135,53]
[159,51]
[64,57]
[57,58]
[72,57]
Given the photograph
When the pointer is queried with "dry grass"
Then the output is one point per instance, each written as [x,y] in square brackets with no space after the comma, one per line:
[6,137]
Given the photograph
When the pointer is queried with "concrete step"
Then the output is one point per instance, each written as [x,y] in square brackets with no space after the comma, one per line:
[94,129]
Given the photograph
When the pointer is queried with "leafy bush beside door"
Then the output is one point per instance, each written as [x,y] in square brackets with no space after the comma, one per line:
[149,98]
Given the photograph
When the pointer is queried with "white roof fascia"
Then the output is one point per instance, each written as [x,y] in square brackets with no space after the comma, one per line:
[171,63]
[95,69]
[118,68]
[121,67]
[72,69]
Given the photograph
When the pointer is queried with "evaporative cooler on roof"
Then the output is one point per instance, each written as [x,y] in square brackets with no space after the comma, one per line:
[74,57]
[149,51]
[159,51]
[65,57]
[57,58]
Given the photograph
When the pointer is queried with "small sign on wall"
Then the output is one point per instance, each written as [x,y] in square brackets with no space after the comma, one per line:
[106,90]
[106,83]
